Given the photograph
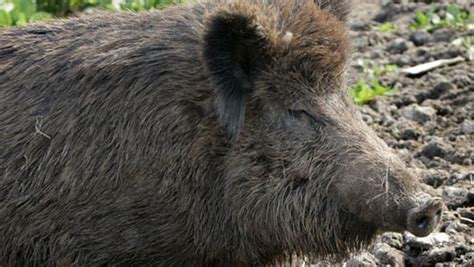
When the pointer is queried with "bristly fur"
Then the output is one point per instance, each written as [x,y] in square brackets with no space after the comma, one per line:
[218,134]
[232,50]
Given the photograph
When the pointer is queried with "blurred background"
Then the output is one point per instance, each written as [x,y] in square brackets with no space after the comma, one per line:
[21,12]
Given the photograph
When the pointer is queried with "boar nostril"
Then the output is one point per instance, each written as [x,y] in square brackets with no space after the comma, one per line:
[423,219]
[422,222]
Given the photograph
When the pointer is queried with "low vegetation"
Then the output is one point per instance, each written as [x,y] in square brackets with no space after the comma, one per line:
[454,18]
[363,92]
[466,43]
[387,27]
[21,12]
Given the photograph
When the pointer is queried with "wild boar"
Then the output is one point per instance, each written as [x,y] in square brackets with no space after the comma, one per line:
[215,134]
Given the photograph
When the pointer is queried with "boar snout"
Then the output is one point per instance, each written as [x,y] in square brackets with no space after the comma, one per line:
[424,218]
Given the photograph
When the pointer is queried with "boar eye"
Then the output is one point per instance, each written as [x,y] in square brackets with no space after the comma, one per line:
[303,114]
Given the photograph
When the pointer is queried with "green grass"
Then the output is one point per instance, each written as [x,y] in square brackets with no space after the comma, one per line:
[363,93]
[466,43]
[380,71]
[455,18]
[387,27]
[21,12]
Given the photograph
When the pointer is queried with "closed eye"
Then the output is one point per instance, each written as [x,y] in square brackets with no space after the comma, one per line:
[303,114]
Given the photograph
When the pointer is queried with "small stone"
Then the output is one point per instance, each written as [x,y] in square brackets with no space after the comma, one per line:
[436,162]
[430,127]
[434,149]
[434,256]
[443,35]
[386,120]
[435,178]
[423,52]
[423,55]
[420,38]
[467,127]
[461,249]
[440,238]
[387,13]
[457,157]
[418,243]
[469,176]
[444,110]
[467,215]
[405,100]
[397,46]
[394,240]
[460,138]
[456,197]
[417,113]
[451,53]
[453,192]
[462,80]
[360,26]
[443,254]
[469,258]
[438,90]
[367,119]
[470,198]
[453,228]
[400,61]
[375,39]
[361,42]
[409,134]
[388,255]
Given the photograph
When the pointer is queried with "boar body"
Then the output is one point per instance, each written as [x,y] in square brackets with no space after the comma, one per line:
[215,134]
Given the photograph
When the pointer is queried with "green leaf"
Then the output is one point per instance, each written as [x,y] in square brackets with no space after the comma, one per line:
[21,19]
[27,7]
[40,16]
[362,93]
[414,26]
[378,88]
[391,67]
[110,7]
[436,26]
[377,71]
[471,18]
[421,18]
[463,16]
[387,27]
[5,19]
[432,10]
[454,11]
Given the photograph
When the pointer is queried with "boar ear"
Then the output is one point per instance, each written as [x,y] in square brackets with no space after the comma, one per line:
[339,8]
[232,47]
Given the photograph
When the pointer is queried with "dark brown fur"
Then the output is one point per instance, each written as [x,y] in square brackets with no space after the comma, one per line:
[218,134]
